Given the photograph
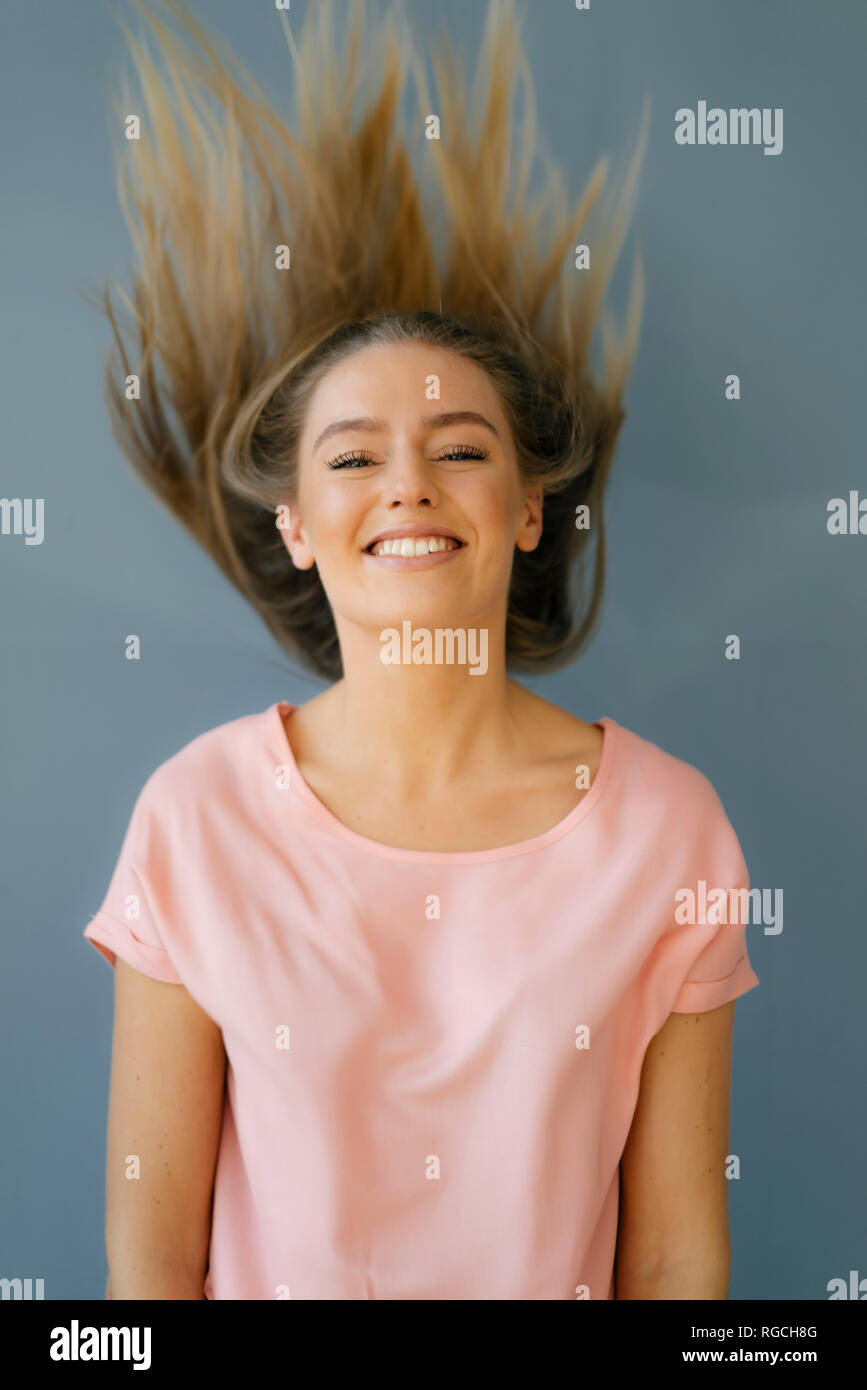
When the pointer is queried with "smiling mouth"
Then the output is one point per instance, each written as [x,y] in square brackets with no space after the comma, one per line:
[410,546]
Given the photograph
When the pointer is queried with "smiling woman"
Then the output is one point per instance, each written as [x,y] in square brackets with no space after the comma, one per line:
[403,994]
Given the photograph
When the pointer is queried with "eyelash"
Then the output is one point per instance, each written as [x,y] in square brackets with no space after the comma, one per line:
[462,451]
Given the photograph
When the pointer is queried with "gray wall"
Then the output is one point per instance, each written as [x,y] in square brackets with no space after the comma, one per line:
[717,515]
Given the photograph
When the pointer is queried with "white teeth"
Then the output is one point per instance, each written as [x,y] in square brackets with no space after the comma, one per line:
[414,545]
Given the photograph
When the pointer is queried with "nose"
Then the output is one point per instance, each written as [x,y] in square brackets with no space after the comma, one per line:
[407,480]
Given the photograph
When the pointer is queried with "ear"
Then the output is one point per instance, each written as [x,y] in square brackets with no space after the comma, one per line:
[530,528]
[291,530]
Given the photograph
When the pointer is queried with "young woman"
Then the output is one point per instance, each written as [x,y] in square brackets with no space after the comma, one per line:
[407,1006]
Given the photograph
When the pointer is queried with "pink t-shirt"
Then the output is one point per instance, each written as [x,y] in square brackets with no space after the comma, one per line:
[433,1058]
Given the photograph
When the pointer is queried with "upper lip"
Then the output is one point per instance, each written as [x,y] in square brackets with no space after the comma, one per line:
[414,528]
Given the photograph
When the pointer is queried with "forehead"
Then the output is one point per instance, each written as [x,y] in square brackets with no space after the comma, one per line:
[393,380]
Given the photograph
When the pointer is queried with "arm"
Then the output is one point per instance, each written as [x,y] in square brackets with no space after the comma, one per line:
[673,1236]
[165,1106]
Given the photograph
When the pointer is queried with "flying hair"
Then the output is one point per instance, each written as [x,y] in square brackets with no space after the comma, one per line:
[229,336]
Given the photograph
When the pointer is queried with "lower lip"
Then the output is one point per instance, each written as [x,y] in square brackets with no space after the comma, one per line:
[414,562]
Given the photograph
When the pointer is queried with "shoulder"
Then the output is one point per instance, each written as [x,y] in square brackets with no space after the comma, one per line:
[663,783]
[204,771]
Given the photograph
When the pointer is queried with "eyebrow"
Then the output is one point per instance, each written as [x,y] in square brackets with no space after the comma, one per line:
[373,425]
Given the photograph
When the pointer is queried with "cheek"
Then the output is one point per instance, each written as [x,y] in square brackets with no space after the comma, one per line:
[334,513]
[484,496]
[494,511]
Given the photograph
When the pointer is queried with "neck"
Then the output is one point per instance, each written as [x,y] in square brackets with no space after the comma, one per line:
[422,725]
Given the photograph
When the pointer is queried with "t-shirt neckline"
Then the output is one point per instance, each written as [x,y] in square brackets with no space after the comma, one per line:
[280,744]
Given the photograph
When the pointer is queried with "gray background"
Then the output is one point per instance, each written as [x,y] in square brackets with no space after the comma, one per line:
[717,524]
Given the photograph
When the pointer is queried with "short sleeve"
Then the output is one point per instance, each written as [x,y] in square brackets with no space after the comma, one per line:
[129,922]
[713,912]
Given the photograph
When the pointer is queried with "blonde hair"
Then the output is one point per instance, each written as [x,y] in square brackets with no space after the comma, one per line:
[229,349]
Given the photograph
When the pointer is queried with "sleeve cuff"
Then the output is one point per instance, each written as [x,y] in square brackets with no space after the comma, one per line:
[697,996]
[113,938]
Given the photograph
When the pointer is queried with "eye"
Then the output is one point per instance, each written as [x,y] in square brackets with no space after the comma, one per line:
[464,451]
[357,458]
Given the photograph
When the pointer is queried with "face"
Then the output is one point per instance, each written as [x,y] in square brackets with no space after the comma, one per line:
[410,507]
